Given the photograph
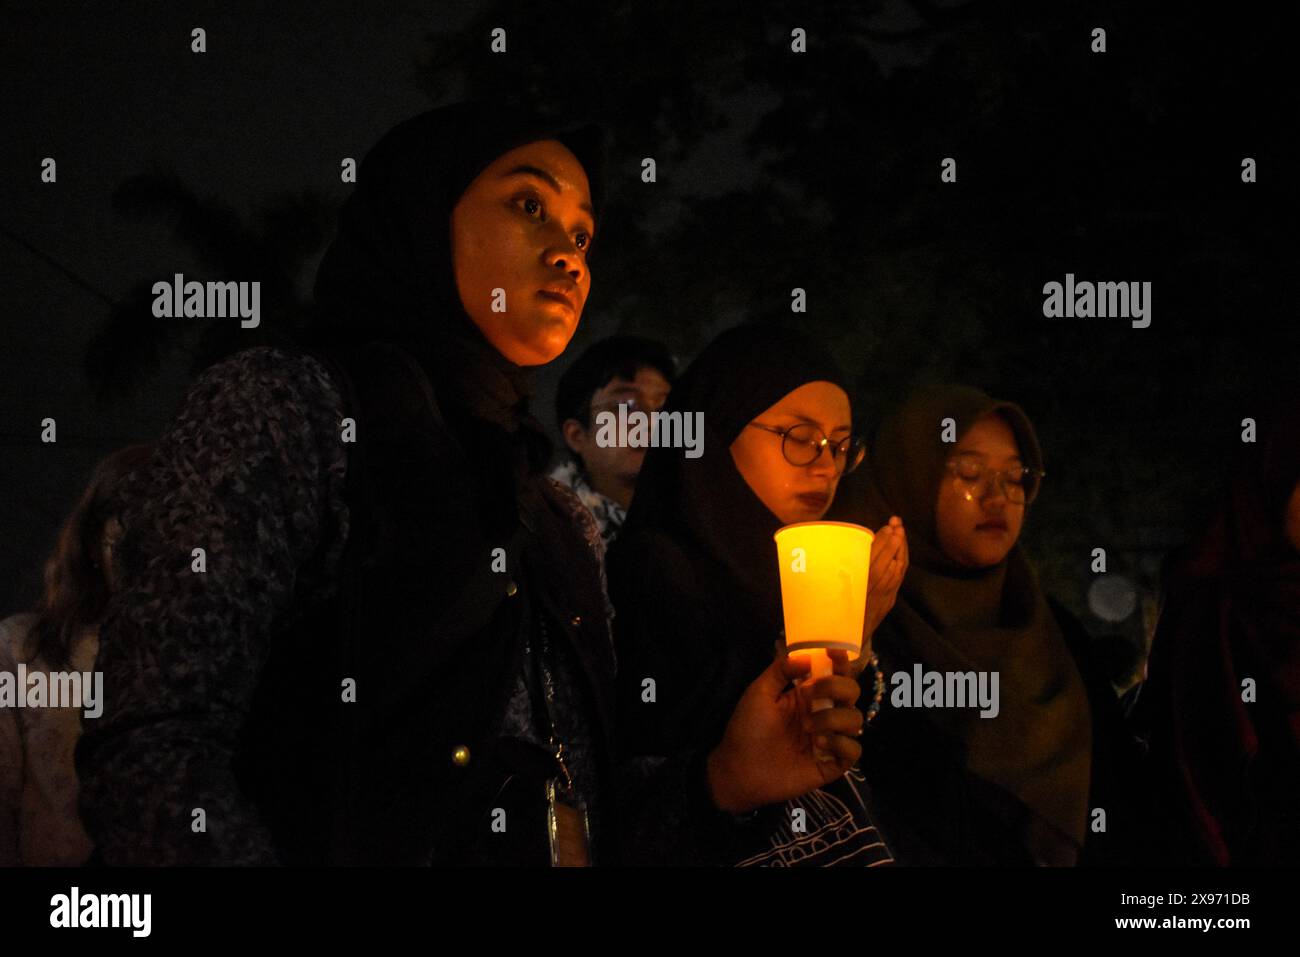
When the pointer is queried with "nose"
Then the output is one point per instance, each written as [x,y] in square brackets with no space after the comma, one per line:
[824,464]
[564,254]
[995,494]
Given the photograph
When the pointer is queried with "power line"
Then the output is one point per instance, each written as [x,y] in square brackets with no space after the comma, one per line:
[50,260]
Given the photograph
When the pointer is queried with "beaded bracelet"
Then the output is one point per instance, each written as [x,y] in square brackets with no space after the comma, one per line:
[877,689]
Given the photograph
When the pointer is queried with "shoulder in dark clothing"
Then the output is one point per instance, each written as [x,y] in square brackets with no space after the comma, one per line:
[934,811]
[251,471]
[1123,794]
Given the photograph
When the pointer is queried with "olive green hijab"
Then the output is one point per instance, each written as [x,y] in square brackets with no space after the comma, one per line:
[951,618]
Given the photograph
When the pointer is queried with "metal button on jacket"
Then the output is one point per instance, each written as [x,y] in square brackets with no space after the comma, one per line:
[512,589]
[460,757]
[575,621]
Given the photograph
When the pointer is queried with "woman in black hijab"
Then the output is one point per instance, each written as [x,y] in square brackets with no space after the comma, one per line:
[695,585]
[344,555]
[357,624]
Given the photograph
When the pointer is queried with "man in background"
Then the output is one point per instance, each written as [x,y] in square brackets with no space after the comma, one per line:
[620,370]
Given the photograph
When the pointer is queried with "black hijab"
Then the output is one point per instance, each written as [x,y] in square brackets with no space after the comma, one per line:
[705,500]
[447,463]
[726,605]
[388,275]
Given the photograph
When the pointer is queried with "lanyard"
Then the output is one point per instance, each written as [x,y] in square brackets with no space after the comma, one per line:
[543,666]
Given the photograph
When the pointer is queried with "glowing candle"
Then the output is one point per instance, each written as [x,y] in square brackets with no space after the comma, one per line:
[824,569]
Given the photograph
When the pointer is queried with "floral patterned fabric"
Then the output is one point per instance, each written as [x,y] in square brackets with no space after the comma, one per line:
[609,515]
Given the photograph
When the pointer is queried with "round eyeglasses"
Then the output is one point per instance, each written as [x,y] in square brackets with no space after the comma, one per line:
[973,479]
[802,445]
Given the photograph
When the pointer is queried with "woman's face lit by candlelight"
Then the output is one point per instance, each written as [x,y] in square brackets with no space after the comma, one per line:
[794,493]
[979,531]
[520,235]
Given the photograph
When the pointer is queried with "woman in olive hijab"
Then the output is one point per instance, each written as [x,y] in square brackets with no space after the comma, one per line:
[1024,785]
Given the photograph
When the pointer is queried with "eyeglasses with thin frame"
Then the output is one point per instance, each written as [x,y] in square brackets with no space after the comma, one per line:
[973,479]
[802,445]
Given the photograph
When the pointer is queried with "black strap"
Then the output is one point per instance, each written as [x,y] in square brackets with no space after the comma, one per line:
[542,664]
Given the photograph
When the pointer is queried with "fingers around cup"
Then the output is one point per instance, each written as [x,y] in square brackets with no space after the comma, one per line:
[847,751]
[795,668]
[841,689]
[837,721]
[841,663]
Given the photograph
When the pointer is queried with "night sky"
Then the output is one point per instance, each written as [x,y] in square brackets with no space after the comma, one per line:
[819,170]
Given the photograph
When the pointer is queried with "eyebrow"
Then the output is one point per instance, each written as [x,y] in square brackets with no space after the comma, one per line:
[547,178]
[982,455]
[811,421]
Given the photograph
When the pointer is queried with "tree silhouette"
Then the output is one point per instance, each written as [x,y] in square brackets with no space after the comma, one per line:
[287,233]
[820,170]
[1120,166]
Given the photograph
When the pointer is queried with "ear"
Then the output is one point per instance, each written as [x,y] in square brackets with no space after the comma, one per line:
[575,436]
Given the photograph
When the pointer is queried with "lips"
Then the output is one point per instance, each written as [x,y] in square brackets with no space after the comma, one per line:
[996,525]
[815,499]
[561,293]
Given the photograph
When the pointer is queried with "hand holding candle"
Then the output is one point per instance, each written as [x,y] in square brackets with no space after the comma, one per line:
[774,749]
[782,742]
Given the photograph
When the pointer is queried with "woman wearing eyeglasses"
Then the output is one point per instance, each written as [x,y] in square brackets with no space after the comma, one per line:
[695,585]
[1052,777]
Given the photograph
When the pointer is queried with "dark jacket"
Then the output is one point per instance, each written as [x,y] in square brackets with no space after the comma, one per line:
[683,624]
[446,659]
[226,692]
[935,812]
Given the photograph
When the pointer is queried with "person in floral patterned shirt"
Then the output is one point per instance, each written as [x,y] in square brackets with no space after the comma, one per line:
[617,370]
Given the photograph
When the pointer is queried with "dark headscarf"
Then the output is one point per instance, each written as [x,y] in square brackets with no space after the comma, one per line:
[705,501]
[950,618]
[693,574]
[1232,611]
[389,276]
